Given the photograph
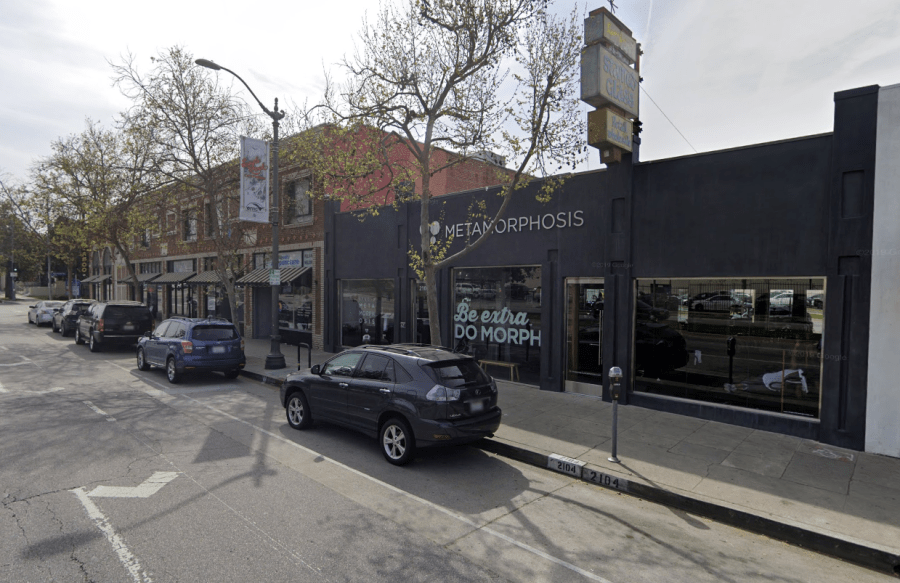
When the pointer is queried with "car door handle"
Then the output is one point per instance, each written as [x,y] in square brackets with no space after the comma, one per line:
[385,391]
[343,385]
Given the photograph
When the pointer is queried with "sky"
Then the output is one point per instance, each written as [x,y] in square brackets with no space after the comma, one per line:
[717,73]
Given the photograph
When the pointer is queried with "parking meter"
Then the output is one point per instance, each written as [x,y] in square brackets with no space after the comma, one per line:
[730,345]
[615,378]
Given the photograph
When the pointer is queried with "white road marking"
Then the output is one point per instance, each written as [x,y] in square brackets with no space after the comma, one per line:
[2,389]
[148,488]
[130,562]
[99,411]
[446,511]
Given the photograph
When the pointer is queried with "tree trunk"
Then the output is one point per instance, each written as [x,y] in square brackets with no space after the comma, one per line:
[431,291]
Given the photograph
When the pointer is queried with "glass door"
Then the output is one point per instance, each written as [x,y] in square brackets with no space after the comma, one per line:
[584,335]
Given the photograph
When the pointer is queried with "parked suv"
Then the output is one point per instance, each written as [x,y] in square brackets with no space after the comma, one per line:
[112,322]
[66,317]
[406,395]
[192,344]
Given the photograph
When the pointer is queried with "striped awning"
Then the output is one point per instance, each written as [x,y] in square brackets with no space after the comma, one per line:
[205,278]
[141,277]
[260,277]
[174,277]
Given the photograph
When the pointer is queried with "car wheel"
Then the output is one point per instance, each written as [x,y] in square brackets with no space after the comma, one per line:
[698,308]
[93,345]
[63,329]
[141,363]
[298,414]
[78,337]
[53,326]
[232,374]
[171,372]
[397,441]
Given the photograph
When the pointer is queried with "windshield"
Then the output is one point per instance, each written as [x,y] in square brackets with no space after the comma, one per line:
[455,373]
[214,333]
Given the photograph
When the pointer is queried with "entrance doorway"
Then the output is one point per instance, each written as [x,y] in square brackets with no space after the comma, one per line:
[584,335]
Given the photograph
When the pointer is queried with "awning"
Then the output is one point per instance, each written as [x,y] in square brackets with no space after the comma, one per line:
[89,279]
[205,278]
[174,277]
[141,277]
[260,277]
[97,279]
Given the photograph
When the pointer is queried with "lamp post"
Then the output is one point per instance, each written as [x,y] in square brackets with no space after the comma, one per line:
[275,359]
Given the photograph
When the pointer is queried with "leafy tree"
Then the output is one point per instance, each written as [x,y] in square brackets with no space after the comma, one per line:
[192,124]
[435,74]
[102,182]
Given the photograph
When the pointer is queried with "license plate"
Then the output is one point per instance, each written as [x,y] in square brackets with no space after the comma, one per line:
[218,350]
[476,406]
[128,328]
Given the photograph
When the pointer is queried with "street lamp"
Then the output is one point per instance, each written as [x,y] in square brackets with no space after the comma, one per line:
[275,359]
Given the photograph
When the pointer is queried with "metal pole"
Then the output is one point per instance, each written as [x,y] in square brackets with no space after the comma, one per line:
[275,358]
[615,376]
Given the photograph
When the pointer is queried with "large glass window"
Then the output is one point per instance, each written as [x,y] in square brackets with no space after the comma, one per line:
[754,343]
[497,319]
[367,311]
[295,304]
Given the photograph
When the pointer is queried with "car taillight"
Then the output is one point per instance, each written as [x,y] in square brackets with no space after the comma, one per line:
[442,394]
[187,346]
[100,325]
[242,344]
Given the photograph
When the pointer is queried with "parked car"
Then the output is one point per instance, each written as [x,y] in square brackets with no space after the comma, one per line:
[716,303]
[42,312]
[192,344]
[407,395]
[118,322]
[66,318]
[466,290]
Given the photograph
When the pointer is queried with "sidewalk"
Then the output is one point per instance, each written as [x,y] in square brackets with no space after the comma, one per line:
[835,501]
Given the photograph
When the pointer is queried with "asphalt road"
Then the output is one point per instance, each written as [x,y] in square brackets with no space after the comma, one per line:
[109,474]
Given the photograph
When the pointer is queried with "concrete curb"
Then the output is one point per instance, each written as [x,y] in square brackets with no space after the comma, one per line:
[871,558]
[261,378]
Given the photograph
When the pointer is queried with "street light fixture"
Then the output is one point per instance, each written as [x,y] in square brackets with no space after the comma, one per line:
[275,359]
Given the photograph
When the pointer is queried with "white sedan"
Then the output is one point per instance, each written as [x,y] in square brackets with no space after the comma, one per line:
[42,312]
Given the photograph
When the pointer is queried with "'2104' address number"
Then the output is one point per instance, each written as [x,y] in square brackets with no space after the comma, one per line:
[605,480]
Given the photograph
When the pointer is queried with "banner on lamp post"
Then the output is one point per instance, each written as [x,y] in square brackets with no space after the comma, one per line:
[254,180]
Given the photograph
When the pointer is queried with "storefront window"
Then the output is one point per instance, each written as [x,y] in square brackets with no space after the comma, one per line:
[295,304]
[367,311]
[497,319]
[754,343]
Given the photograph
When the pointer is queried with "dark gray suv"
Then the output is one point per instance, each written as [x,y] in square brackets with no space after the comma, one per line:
[406,395]
[113,322]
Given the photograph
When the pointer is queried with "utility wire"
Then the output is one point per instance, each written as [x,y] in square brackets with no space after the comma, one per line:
[669,120]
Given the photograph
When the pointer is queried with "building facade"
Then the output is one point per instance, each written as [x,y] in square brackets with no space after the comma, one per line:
[753,286]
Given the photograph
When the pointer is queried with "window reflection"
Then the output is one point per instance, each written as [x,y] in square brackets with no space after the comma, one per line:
[752,343]
[367,311]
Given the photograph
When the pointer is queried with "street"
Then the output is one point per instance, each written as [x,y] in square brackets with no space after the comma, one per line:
[111,474]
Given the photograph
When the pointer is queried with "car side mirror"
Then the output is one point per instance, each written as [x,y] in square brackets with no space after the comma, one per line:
[148,334]
[316,369]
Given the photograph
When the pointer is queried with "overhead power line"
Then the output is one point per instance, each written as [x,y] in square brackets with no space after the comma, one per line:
[669,120]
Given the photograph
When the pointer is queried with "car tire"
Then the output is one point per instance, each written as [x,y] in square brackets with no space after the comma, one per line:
[232,374]
[698,307]
[78,337]
[53,326]
[297,410]
[397,441]
[63,329]
[172,373]
[142,364]
[93,345]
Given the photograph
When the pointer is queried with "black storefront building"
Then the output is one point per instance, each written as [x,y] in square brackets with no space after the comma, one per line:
[732,285]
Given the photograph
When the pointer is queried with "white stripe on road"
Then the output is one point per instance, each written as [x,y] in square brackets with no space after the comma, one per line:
[446,511]
[3,390]
[99,411]
[118,543]
[148,488]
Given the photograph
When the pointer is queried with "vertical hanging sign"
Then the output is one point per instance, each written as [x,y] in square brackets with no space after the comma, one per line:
[254,180]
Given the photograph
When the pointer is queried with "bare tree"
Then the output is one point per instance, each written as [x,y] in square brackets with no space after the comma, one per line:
[467,76]
[193,125]
[97,187]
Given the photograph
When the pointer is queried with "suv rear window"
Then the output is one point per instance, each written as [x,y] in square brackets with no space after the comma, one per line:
[204,332]
[455,373]
[126,312]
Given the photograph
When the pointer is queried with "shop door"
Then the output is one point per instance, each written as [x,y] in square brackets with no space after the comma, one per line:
[584,335]
[262,312]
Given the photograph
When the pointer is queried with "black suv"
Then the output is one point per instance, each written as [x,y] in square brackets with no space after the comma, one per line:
[406,395]
[66,317]
[112,322]
[192,344]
